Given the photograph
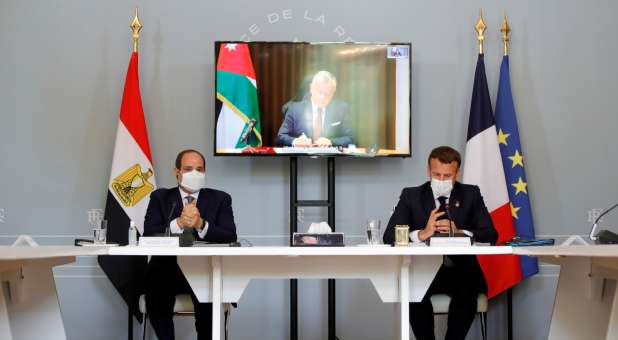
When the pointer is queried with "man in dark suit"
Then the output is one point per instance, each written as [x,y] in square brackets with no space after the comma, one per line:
[424,209]
[317,120]
[190,206]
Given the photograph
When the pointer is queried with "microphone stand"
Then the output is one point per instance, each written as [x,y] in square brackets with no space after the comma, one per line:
[596,222]
[168,232]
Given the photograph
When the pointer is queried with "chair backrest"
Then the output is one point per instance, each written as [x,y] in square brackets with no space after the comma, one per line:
[441,302]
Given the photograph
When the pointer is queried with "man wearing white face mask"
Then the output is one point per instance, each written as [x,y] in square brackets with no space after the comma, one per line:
[207,213]
[434,207]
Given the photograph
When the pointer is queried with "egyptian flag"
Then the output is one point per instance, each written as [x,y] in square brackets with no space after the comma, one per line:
[238,113]
[131,182]
[483,167]
[513,163]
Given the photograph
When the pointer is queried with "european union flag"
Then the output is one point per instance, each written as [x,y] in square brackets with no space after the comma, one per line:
[513,163]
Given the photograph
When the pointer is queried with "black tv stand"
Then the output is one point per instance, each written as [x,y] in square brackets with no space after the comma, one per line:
[295,203]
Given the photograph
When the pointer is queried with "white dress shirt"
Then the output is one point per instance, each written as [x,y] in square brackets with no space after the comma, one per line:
[314,116]
[175,228]
[314,113]
[414,233]
[314,110]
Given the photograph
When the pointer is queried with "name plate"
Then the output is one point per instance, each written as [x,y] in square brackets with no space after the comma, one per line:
[159,241]
[457,241]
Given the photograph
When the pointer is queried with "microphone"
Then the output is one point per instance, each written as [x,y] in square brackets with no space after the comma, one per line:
[168,232]
[247,130]
[450,221]
[606,235]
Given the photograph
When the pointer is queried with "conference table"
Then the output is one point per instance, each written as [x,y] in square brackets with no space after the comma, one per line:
[221,274]
[586,304]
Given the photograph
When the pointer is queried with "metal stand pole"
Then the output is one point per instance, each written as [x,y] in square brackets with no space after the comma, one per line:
[509,313]
[294,204]
[293,229]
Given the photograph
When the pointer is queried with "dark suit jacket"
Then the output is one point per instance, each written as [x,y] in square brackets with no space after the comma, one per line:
[299,119]
[215,207]
[467,210]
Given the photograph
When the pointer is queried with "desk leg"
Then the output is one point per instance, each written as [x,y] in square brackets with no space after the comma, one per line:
[577,316]
[5,326]
[29,307]
[216,298]
[612,328]
[404,297]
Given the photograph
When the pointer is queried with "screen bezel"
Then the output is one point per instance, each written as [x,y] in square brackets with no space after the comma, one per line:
[216,154]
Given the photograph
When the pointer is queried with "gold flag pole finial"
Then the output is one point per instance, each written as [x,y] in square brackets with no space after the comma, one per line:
[480,28]
[505,29]
[136,26]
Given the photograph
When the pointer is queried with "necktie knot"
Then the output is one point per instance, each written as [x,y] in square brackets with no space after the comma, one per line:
[442,200]
[190,199]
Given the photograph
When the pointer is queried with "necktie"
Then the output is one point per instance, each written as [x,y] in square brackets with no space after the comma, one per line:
[317,125]
[190,199]
[442,200]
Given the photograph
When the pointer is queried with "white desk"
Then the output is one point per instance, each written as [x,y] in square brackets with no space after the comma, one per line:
[29,306]
[585,306]
[221,274]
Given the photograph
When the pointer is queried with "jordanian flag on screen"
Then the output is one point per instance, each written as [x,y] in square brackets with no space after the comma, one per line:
[238,120]
[130,184]
[483,167]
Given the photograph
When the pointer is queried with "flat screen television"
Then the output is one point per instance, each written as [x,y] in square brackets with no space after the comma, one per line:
[313,99]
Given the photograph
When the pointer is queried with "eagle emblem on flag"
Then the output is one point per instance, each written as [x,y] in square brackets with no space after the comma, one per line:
[132,185]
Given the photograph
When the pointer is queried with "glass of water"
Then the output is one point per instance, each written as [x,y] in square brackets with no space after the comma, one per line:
[373,232]
[100,233]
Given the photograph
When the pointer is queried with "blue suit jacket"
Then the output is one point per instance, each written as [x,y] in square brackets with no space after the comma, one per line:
[299,119]
[468,211]
[215,207]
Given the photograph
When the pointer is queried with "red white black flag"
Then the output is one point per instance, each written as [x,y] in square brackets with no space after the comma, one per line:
[131,182]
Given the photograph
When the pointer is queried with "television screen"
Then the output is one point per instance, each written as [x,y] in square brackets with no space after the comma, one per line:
[298,98]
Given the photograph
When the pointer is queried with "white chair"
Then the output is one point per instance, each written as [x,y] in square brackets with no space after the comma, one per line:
[182,307]
[441,303]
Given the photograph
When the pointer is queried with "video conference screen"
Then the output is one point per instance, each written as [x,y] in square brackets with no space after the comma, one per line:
[297,98]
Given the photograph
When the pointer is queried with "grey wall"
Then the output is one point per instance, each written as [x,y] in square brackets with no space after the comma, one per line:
[62,67]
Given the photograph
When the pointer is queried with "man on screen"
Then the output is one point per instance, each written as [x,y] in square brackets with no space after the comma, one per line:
[317,120]
[434,207]
[207,213]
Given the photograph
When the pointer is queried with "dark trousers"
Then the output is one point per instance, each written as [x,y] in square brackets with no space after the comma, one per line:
[462,282]
[164,280]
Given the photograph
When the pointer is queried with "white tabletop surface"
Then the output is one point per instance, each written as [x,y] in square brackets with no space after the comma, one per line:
[609,250]
[40,252]
[308,251]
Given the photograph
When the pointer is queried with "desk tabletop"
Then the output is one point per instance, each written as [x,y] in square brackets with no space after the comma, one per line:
[38,252]
[310,251]
[606,250]
[8,253]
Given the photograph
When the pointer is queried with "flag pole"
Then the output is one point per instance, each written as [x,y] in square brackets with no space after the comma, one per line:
[505,29]
[480,29]
[135,26]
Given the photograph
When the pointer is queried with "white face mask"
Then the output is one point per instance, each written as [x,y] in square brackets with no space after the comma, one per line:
[193,180]
[441,188]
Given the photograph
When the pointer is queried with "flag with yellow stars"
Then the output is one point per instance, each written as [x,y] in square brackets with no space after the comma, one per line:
[513,163]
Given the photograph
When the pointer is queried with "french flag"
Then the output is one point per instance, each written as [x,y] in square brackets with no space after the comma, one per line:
[483,167]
